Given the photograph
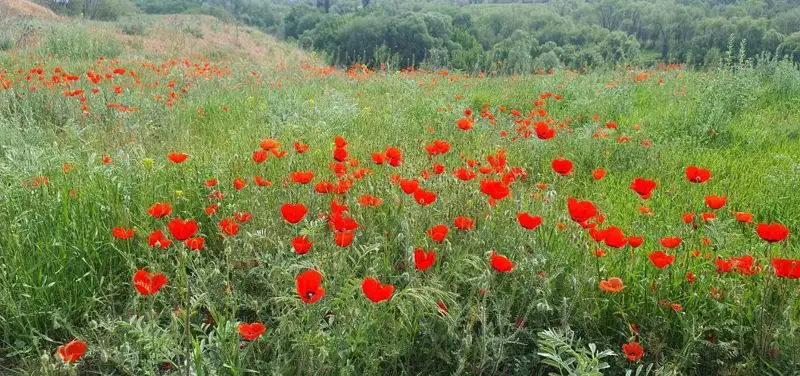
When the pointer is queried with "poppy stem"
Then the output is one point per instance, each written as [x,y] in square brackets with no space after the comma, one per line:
[187,316]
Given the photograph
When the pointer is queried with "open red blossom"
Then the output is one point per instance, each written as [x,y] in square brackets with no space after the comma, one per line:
[661,259]
[160,210]
[195,244]
[243,217]
[293,213]
[122,233]
[697,174]
[744,265]
[251,331]
[72,351]
[211,183]
[581,211]
[437,147]
[774,232]
[182,229]
[633,351]
[500,263]
[239,183]
[378,158]
[157,239]
[463,223]
[464,174]
[464,124]
[688,218]
[148,283]
[670,242]
[716,202]
[269,144]
[438,233]
[301,244]
[743,217]
[409,186]
[302,177]
[598,173]
[529,222]
[177,157]
[614,237]
[375,291]
[562,167]
[259,156]
[229,226]
[494,189]
[300,148]
[423,197]
[369,200]
[309,286]
[340,154]
[394,156]
[424,259]
[339,141]
[786,268]
[635,241]
[543,131]
[343,238]
[643,187]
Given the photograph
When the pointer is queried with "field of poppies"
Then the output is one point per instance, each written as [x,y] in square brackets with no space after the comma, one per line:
[219,216]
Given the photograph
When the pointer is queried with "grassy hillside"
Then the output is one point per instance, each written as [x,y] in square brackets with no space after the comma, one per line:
[84,156]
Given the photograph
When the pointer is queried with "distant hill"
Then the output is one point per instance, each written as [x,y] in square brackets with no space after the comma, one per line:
[25,8]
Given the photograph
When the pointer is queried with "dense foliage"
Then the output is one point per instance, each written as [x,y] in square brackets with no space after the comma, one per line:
[511,37]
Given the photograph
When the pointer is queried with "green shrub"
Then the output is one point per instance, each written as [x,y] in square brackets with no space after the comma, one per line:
[134,29]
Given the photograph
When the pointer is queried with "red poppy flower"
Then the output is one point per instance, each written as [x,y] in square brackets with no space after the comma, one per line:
[182,229]
[423,260]
[464,174]
[300,148]
[157,239]
[437,147]
[211,182]
[72,351]
[500,263]
[581,211]
[293,213]
[302,177]
[716,202]
[378,158]
[269,144]
[107,159]
[688,217]
[212,209]
[494,189]
[743,217]
[635,241]
[424,197]
[343,238]
[229,226]
[160,210]
[529,222]
[438,233]
[661,259]
[613,284]
[278,153]
[259,156]
[195,244]
[395,156]
[301,244]
[242,217]
[339,141]
[772,232]
[562,167]
[614,237]
[122,233]
[643,187]
[786,268]
[375,291]
[464,124]
[697,175]
[543,131]
[598,173]
[309,286]
[409,186]
[437,168]
[671,242]
[709,216]
[633,351]
[239,183]
[369,200]
[177,157]
[463,223]
[251,331]
[340,154]
[148,283]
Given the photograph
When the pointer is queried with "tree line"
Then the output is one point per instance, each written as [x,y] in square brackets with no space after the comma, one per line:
[516,36]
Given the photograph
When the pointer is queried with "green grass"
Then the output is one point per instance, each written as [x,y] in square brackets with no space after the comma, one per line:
[63,275]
